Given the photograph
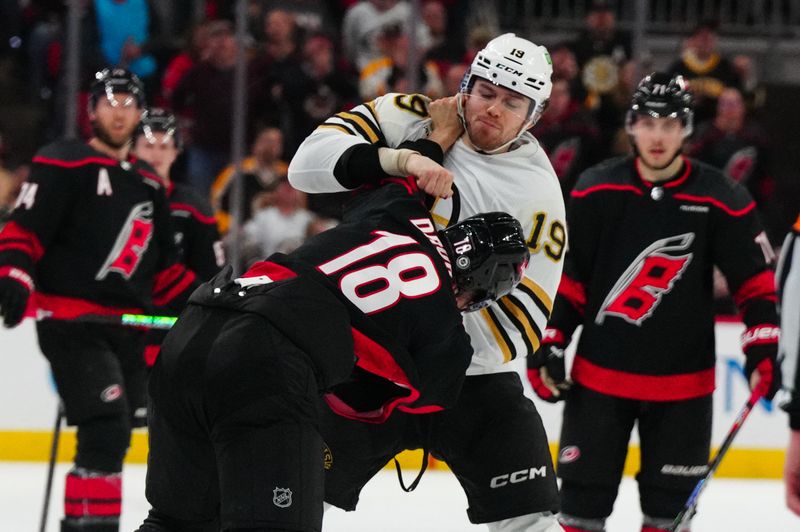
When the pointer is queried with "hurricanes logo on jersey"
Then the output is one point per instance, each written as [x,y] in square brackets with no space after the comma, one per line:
[131,243]
[640,289]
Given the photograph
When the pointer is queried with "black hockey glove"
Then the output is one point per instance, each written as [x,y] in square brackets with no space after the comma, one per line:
[762,361]
[13,298]
[547,370]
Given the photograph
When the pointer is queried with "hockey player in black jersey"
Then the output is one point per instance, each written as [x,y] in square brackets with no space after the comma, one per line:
[645,234]
[90,239]
[365,315]
[157,141]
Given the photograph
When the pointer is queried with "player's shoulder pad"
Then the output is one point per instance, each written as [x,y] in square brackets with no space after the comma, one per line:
[186,195]
[64,150]
[148,174]
[713,187]
[615,171]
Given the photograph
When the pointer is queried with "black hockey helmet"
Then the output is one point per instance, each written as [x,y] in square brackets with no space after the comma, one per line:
[158,120]
[112,80]
[489,255]
[662,96]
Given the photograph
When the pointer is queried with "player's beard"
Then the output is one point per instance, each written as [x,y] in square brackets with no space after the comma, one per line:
[655,168]
[101,133]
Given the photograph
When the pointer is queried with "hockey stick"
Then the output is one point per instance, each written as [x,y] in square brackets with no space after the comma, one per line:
[51,468]
[690,507]
[131,320]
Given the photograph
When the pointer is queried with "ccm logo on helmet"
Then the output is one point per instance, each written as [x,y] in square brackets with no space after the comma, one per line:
[517,476]
[510,69]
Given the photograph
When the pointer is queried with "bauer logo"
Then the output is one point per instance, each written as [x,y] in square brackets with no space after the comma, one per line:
[112,393]
[518,476]
[684,470]
[569,454]
[282,497]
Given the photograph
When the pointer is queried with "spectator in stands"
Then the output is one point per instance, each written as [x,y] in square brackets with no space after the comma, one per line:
[453,77]
[121,33]
[443,46]
[280,227]
[317,92]
[206,92]
[362,26]
[565,66]
[737,145]
[706,70]
[600,50]
[278,63]
[196,51]
[262,172]
[569,134]
[388,73]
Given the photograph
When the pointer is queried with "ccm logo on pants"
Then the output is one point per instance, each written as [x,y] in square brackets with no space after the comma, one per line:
[518,476]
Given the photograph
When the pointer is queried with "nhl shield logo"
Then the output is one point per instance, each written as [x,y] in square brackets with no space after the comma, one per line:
[282,497]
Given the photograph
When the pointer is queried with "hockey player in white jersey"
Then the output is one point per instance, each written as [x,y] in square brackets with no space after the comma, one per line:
[470,153]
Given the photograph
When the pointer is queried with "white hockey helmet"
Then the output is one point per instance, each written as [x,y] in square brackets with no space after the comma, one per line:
[516,64]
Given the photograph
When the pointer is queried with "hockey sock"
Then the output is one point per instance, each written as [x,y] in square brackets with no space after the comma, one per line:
[92,501]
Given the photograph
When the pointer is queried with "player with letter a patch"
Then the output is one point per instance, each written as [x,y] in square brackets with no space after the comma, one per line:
[90,239]
[645,234]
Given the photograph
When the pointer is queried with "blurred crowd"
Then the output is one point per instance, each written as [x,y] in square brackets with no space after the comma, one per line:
[308,59]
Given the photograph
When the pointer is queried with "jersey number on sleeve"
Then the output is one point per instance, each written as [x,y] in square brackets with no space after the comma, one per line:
[553,245]
[375,287]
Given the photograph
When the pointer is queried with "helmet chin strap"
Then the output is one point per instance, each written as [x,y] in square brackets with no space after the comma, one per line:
[463,117]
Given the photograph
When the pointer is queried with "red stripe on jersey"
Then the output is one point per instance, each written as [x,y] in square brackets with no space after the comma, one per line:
[573,291]
[67,308]
[715,202]
[276,272]
[409,183]
[759,286]
[14,236]
[194,211]
[166,277]
[687,169]
[151,175]
[74,164]
[597,188]
[374,358]
[554,336]
[421,409]
[642,387]
[187,278]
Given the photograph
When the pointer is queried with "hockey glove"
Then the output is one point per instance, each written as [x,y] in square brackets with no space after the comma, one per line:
[764,374]
[15,289]
[547,371]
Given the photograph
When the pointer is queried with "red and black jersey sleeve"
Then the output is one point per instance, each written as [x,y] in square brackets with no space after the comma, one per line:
[43,202]
[743,254]
[583,228]
[200,244]
[173,281]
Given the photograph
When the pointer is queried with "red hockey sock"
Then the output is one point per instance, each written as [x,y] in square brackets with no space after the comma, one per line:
[92,494]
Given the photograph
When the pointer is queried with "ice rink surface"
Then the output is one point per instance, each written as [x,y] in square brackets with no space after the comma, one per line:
[438,504]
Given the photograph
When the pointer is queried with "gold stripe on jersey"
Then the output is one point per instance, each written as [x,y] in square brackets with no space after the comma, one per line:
[364,127]
[338,127]
[524,322]
[538,294]
[500,336]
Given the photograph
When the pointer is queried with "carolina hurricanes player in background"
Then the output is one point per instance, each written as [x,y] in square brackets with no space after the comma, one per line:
[645,233]
[90,239]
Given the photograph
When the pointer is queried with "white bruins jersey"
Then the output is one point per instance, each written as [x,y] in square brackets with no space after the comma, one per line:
[520,182]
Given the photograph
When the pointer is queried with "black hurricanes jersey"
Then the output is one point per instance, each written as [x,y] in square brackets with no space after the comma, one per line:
[385,262]
[196,232]
[93,234]
[638,277]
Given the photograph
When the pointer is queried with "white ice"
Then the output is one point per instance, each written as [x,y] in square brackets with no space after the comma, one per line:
[438,504]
